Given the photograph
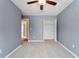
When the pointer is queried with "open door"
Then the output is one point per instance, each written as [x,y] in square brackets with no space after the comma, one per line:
[25,30]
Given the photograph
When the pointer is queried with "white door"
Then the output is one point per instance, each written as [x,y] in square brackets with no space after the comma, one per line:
[49,29]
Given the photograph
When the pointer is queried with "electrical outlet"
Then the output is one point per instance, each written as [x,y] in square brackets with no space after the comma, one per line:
[73,46]
[0,51]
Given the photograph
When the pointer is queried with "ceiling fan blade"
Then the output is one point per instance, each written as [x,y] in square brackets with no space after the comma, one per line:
[41,7]
[32,2]
[51,3]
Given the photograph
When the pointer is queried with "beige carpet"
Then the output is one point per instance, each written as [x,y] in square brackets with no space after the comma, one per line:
[47,49]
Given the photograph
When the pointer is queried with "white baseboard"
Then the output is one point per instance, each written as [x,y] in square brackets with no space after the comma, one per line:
[13,51]
[68,50]
[35,40]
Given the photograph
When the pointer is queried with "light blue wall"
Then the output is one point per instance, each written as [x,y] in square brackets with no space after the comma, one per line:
[10,21]
[68,27]
[36,26]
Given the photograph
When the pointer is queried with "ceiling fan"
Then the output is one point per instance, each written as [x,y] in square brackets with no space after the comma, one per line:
[42,3]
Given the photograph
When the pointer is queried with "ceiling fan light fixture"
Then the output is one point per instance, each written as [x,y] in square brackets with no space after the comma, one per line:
[42,2]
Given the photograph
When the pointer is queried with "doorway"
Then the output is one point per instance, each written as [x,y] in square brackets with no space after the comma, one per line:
[25,30]
[50,29]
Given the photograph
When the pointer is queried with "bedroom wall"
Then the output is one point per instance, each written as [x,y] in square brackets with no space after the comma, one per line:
[37,26]
[68,27]
[10,27]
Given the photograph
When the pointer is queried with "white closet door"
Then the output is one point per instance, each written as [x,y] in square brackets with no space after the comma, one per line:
[49,29]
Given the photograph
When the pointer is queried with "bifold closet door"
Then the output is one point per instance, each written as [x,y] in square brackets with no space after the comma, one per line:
[50,29]
[35,28]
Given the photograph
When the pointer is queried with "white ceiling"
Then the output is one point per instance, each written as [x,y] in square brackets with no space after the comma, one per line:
[34,9]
